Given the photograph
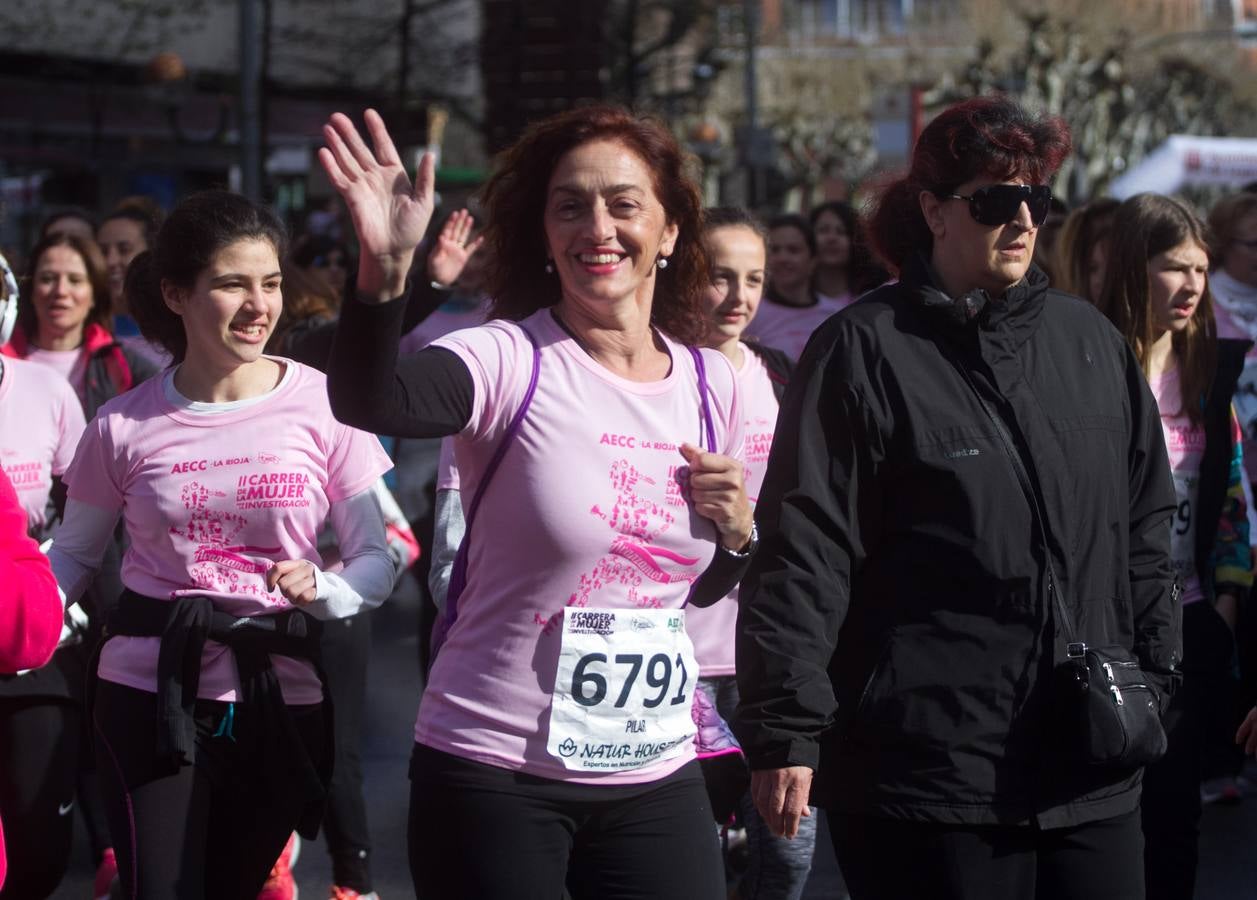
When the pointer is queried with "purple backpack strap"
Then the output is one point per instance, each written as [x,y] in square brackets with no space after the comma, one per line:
[709,426]
[458,573]
[702,394]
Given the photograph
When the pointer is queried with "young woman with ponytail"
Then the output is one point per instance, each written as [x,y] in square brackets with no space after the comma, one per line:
[211,732]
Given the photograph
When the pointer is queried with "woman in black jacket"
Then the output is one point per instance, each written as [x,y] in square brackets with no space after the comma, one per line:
[956,453]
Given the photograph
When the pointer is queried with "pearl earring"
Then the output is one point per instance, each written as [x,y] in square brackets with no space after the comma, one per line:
[549,267]
[662,262]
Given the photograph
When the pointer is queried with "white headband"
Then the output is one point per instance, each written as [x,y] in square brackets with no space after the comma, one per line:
[8,306]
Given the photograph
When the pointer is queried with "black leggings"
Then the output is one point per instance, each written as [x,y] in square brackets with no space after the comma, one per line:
[479,832]
[346,651]
[39,756]
[209,831]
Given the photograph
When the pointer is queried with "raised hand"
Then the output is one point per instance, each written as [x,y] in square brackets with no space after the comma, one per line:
[389,215]
[453,249]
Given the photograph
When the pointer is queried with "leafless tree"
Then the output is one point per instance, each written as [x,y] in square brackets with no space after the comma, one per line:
[1122,92]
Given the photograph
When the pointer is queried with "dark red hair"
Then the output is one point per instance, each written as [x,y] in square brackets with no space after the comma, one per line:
[991,136]
[515,200]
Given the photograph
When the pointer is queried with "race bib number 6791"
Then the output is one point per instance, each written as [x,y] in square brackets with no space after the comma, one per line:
[623,691]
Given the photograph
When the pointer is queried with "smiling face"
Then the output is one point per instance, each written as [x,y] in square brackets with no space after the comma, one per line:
[833,241]
[61,293]
[121,240]
[1177,281]
[737,258]
[970,255]
[605,227]
[790,259]
[231,310]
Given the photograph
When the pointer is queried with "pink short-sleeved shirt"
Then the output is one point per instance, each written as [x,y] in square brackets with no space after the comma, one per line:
[712,628]
[1185,444]
[788,328]
[212,501]
[587,509]
[69,364]
[41,422]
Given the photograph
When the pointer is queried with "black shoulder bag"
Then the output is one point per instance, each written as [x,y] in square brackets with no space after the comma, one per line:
[1109,710]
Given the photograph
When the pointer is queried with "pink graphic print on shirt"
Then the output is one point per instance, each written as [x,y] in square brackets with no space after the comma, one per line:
[219,565]
[633,559]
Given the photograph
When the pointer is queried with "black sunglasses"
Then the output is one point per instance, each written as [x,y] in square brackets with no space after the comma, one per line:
[997,204]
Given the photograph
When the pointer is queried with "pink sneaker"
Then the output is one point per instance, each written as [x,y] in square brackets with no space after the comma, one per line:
[281,885]
[106,875]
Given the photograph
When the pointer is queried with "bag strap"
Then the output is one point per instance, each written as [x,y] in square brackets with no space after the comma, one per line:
[702,394]
[1073,647]
[458,573]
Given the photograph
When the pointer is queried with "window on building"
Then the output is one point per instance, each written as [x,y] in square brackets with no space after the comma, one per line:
[867,20]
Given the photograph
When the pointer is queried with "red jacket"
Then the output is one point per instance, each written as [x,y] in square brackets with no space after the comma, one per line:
[30,609]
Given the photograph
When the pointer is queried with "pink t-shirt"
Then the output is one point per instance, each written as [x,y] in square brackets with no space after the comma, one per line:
[1185,444]
[712,628]
[40,425]
[211,501]
[69,364]
[787,328]
[451,317]
[587,509]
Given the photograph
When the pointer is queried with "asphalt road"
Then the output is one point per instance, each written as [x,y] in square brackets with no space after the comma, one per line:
[1228,846]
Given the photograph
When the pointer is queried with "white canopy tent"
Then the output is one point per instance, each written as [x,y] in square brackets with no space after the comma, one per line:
[1185,160]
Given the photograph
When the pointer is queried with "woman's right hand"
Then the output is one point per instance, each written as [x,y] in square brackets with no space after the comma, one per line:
[781,797]
[389,216]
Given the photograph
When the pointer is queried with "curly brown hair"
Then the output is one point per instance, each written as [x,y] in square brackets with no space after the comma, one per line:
[515,201]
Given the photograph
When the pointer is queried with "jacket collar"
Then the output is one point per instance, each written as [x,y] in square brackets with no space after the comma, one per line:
[95,339]
[18,346]
[1015,316]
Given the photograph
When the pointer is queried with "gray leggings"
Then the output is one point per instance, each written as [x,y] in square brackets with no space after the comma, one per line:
[777,868]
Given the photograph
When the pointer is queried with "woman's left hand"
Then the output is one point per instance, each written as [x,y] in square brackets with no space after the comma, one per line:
[718,492]
[295,580]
